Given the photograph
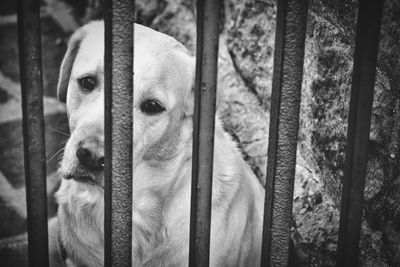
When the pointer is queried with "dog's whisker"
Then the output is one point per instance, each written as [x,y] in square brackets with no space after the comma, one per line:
[51,128]
[54,155]
[62,143]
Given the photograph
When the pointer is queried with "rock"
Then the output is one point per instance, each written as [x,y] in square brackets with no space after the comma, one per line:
[177,19]
[242,114]
[250,27]
[331,41]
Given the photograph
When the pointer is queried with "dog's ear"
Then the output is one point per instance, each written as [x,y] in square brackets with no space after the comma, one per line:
[189,104]
[188,108]
[67,63]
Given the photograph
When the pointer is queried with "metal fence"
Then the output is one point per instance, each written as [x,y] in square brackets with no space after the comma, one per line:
[287,80]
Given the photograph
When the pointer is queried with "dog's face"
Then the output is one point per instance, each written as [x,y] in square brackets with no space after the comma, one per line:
[163,99]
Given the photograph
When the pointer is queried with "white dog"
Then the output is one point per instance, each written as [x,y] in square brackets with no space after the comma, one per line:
[163,113]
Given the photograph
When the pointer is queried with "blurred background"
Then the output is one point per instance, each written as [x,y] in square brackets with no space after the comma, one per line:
[244,83]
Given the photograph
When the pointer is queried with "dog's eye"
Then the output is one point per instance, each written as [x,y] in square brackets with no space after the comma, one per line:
[87,82]
[151,107]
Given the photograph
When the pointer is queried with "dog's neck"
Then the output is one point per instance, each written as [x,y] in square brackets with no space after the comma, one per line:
[80,215]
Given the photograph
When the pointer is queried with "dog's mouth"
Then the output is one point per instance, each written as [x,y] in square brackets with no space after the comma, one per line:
[82,179]
[85,177]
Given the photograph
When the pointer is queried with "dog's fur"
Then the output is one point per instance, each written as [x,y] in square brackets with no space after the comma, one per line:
[164,70]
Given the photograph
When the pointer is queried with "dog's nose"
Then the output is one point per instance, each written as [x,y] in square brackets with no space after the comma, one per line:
[90,156]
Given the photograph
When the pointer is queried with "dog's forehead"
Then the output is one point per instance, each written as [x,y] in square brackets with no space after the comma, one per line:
[147,43]
[159,60]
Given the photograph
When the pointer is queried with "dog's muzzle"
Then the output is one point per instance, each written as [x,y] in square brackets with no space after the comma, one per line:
[83,176]
[90,162]
[90,155]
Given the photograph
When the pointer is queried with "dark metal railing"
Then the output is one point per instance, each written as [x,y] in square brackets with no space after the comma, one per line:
[285,104]
[359,123]
[203,131]
[283,130]
[118,139]
[30,64]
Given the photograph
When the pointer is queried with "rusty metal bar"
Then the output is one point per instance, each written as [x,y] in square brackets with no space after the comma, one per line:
[359,123]
[284,124]
[203,130]
[33,130]
[118,92]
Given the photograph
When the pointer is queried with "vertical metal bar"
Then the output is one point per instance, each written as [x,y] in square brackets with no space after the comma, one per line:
[118,67]
[33,130]
[359,123]
[203,130]
[283,133]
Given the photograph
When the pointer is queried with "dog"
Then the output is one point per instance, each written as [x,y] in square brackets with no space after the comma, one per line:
[162,143]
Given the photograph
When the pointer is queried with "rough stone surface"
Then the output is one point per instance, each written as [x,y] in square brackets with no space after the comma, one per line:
[250,27]
[331,42]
